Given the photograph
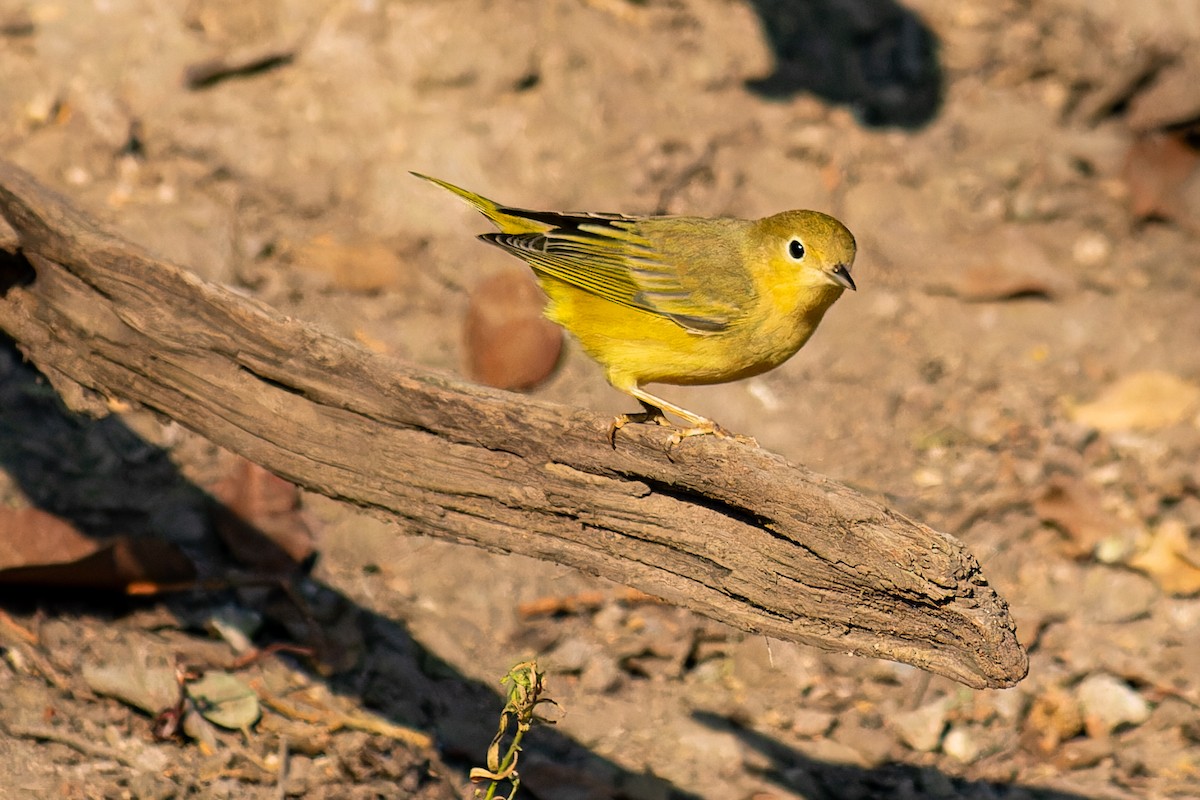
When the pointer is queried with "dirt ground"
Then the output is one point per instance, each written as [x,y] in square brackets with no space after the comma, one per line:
[1020,368]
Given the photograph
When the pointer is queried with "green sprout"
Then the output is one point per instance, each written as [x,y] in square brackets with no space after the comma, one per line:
[525,687]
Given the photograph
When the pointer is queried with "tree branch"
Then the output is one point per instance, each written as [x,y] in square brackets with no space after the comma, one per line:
[733,532]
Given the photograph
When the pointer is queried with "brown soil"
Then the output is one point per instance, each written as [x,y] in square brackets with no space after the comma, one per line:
[1011,270]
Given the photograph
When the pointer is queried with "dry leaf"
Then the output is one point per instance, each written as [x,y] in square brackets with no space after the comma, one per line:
[1075,508]
[1144,401]
[510,345]
[138,680]
[37,547]
[260,520]
[225,700]
[1171,560]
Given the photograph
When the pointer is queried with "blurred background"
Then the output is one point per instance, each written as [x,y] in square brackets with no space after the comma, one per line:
[1020,368]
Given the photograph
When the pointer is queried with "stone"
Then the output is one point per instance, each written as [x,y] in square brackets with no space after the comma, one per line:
[921,729]
[1108,703]
[810,723]
[962,744]
[510,345]
[874,745]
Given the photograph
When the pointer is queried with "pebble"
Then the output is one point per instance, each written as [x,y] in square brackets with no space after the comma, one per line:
[610,618]
[961,744]
[510,345]
[601,676]
[572,655]
[1109,595]
[1091,249]
[921,729]
[1008,704]
[1083,753]
[828,751]
[1109,703]
[1167,753]
[809,723]
[873,745]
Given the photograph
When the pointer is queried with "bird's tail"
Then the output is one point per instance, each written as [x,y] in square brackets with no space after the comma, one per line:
[508,220]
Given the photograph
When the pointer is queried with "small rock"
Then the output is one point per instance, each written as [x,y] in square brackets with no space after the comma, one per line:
[961,744]
[1109,703]
[829,751]
[1083,753]
[921,729]
[1167,753]
[704,743]
[809,723]
[874,745]
[1091,249]
[611,617]
[152,759]
[601,675]
[1109,595]
[510,345]
[1008,704]
[572,655]
[1172,712]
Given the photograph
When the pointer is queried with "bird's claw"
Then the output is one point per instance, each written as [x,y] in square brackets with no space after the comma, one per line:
[707,428]
[678,434]
[654,415]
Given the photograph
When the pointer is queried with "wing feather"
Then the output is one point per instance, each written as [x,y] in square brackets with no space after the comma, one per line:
[611,257]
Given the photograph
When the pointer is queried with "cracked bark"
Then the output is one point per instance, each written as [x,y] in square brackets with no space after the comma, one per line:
[732,532]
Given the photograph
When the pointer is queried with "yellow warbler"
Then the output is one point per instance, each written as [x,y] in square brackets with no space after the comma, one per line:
[680,300]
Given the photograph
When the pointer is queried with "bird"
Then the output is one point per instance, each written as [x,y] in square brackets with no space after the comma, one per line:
[676,299]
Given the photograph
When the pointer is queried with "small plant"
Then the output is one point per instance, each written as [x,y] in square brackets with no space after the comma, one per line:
[525,687]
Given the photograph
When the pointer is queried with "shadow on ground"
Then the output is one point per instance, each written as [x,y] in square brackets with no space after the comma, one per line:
[812,778]
[875,56]
[103,477]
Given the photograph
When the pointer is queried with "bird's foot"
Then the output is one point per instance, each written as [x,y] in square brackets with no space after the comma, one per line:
[697,425]
[650,415]
[707,428]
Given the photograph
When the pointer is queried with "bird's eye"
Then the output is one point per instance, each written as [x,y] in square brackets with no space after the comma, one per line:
[796,249]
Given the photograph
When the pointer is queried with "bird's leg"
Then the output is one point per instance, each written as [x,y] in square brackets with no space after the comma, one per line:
[652,413]
[699,426]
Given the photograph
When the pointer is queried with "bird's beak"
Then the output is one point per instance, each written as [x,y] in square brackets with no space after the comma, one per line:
[841,276]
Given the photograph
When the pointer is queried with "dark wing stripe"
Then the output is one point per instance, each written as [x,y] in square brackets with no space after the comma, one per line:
[567,220]
[699,324]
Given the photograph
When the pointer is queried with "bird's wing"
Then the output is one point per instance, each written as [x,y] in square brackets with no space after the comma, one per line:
[608,256]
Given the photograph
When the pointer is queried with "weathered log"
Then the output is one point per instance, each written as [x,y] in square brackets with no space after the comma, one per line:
[729,530]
